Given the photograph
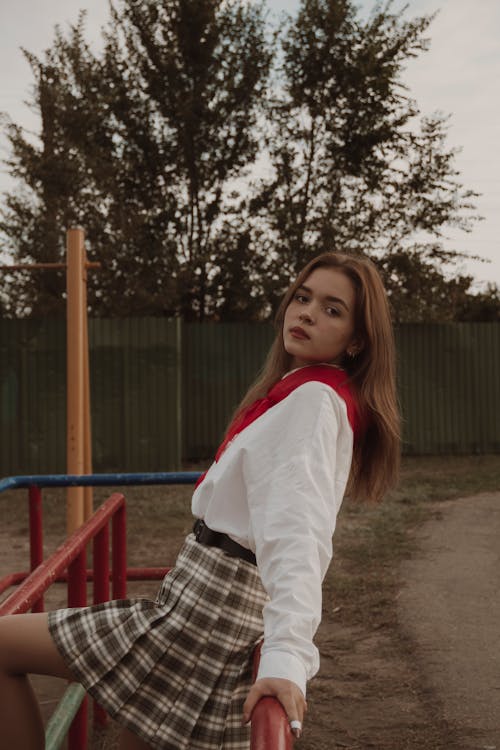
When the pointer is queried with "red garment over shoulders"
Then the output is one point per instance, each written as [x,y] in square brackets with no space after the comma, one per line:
[331,376]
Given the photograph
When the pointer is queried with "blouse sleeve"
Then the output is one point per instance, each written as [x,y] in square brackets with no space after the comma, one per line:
[295,481]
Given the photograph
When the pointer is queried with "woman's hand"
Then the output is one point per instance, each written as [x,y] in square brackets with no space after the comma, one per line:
[287,692]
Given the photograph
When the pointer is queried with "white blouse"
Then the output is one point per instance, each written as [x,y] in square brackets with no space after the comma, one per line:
[277,489]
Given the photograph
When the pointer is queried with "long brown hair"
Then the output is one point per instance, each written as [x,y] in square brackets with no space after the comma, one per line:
[375,465]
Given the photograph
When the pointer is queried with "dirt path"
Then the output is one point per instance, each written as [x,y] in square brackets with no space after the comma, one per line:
[450,608]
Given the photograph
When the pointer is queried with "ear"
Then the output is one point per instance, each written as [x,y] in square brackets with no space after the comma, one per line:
[355,347]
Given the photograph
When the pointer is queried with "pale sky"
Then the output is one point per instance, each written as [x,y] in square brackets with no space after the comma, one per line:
[459,75]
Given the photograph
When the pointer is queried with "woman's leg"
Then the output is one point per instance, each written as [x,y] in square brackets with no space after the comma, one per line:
[130,741]
[26,646]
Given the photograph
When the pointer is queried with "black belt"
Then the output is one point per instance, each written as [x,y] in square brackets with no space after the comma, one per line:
[204,535]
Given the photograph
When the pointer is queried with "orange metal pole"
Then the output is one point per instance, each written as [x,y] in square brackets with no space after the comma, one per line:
[75,379]
[87,431]
[30,266]
[44,266]
[79,451]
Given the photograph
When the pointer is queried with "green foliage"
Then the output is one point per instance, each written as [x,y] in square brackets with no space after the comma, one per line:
[352,171]
[139,145]
[208,156]
[481,307]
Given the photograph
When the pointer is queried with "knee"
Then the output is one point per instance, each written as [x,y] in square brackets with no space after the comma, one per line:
[22,643]
[26,647]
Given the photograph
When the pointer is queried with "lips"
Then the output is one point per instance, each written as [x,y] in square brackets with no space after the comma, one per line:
[298,333]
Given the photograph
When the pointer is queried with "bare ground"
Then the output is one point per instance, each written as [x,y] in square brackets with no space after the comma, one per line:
[450,607]
[377,687]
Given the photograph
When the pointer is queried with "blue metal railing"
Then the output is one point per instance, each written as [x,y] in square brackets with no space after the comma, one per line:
[98,480]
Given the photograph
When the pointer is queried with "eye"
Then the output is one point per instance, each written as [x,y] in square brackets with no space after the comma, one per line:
[302,298]
[333,311]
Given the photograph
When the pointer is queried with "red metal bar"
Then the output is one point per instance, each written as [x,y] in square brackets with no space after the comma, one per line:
[77,733]
[11,580]
[270,728]
[36,535]
[101,594]
[119,553]
[101,566]
[71,555]
[37,582]
[77,580]
[100,716]
[146,574]
[77,597]
[133,574]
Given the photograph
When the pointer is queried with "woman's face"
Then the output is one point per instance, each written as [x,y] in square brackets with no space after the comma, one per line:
[319,321]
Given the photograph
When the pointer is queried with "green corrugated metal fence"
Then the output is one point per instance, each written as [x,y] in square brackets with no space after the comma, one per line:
[449,386]
[32,400]
[162,391]
[220,360]
[135,395]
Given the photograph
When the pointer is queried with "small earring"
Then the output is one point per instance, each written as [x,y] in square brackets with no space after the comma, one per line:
[351,353]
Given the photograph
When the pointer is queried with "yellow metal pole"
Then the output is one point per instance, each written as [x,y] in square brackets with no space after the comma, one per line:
[87,430]
[75,373]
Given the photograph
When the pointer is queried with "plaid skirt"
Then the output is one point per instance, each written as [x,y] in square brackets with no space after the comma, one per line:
[175,671]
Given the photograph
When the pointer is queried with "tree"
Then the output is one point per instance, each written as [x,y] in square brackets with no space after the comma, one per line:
[351,169]
[481,307]
[157,146]
[141,146]
[418,291]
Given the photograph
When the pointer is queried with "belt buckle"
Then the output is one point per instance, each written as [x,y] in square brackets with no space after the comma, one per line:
[198,528]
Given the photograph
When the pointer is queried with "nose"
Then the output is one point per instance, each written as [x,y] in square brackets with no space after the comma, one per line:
[306,317]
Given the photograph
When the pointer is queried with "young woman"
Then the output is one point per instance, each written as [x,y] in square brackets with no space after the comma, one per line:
[177,672]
